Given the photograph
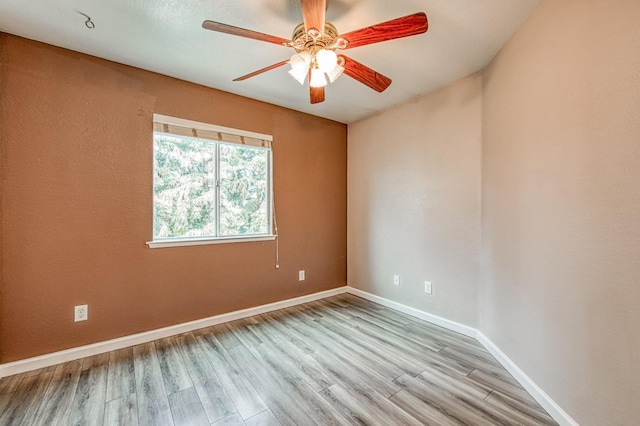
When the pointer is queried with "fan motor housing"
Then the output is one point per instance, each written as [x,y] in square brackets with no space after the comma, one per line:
[313,40]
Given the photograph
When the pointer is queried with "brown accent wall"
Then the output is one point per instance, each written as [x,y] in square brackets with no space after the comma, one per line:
[76,158]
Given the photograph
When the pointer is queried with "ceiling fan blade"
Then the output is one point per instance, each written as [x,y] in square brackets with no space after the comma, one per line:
[396,28]
[365,75]
[260,71]
[316,94]
[313,12]
[241,32]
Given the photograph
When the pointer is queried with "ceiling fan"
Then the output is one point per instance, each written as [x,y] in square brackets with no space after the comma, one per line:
[316,41]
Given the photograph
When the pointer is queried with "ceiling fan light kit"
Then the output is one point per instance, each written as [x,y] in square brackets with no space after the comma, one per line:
[317,78]
[300,63]
[316,56]
[326,60]
[336,71]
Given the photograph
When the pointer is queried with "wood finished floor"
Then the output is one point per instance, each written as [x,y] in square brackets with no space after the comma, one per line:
[342,360]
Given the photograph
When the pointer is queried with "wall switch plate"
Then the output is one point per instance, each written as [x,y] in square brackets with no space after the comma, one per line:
[301,275]
[427,287]
[81,313]
[396,280]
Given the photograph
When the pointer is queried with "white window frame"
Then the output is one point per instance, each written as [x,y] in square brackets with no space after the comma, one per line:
[195,241]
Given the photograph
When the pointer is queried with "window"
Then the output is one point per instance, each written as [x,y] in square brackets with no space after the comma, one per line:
[210,184]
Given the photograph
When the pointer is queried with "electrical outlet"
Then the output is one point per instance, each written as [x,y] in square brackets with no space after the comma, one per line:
[396,280]
[81,313]
[301,275]
[427,287]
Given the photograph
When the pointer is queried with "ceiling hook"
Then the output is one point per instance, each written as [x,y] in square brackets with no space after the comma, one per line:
[88,23]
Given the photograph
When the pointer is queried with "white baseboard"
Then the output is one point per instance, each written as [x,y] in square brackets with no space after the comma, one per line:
[554,410]
[66,355]
[433,319]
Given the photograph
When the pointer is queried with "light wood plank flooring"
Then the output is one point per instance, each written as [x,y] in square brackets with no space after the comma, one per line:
[341,360]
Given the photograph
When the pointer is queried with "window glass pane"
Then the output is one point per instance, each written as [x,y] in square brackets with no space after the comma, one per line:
[243,190]
[184,187]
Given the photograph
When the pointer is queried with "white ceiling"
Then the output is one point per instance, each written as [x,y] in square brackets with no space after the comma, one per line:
[166,36]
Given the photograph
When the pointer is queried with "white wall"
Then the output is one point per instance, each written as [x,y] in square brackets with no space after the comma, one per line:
[552,138]
[560,290]
[413,201]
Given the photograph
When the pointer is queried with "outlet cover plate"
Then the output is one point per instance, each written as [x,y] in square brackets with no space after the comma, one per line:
[396,280]
[428,287]
[301,275]
[81,313]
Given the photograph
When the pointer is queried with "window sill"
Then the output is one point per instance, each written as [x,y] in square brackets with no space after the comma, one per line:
[205,241]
